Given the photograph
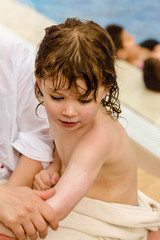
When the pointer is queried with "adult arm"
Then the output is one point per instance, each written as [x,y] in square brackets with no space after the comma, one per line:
[24,172]
[24,212]
[33,139]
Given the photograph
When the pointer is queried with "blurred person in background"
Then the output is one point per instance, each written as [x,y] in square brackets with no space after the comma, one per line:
[151,74]
[127,49]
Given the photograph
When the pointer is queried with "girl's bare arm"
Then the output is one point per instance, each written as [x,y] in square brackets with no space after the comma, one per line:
[78,177]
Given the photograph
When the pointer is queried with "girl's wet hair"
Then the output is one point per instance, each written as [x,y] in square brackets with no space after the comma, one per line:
[79,50]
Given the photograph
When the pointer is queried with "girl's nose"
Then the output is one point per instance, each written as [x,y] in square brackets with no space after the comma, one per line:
[69,110]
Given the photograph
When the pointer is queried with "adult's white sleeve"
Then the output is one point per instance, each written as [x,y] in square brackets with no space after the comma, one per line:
[33,138]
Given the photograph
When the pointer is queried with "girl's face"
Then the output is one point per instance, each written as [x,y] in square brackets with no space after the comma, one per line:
[67,109]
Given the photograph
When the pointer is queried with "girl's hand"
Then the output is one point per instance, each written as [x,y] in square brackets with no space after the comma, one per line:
[45,179]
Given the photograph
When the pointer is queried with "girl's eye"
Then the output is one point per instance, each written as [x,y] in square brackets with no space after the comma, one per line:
[56,98]
[85,100]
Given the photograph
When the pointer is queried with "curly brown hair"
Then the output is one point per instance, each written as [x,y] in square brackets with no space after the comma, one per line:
[79,50]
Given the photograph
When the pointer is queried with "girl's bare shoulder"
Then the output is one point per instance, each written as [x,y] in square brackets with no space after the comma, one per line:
[102,135]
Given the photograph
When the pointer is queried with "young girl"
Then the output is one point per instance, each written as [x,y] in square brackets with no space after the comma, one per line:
[76,82]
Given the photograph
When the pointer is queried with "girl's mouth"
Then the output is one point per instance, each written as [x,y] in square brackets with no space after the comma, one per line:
[69,124]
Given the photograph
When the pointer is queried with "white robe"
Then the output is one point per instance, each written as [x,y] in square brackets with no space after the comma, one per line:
[21,131]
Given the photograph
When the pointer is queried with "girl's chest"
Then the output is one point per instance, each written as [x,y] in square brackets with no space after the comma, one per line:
[65,148]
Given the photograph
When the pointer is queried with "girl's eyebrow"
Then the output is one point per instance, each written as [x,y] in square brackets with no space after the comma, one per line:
[52,91]
[56,92]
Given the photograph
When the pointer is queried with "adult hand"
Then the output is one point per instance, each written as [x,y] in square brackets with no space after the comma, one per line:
[3,237]
[24,212]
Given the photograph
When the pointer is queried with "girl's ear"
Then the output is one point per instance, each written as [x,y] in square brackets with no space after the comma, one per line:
[106,90]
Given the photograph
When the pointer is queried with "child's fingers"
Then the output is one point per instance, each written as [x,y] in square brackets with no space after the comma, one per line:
[40,186]
[36,186]
[42,180]
[45,178]
[54,178]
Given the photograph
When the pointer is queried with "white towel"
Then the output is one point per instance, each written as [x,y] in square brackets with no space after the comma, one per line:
[93,219]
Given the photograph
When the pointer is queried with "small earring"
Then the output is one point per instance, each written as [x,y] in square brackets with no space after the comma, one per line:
[104,102]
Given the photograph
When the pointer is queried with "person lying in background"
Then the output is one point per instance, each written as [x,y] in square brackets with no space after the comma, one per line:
[150,44]
[127,49]
[151,74]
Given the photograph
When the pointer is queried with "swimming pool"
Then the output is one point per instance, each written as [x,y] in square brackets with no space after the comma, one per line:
[139,17]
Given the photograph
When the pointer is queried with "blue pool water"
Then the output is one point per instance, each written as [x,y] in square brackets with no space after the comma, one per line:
[139,17]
